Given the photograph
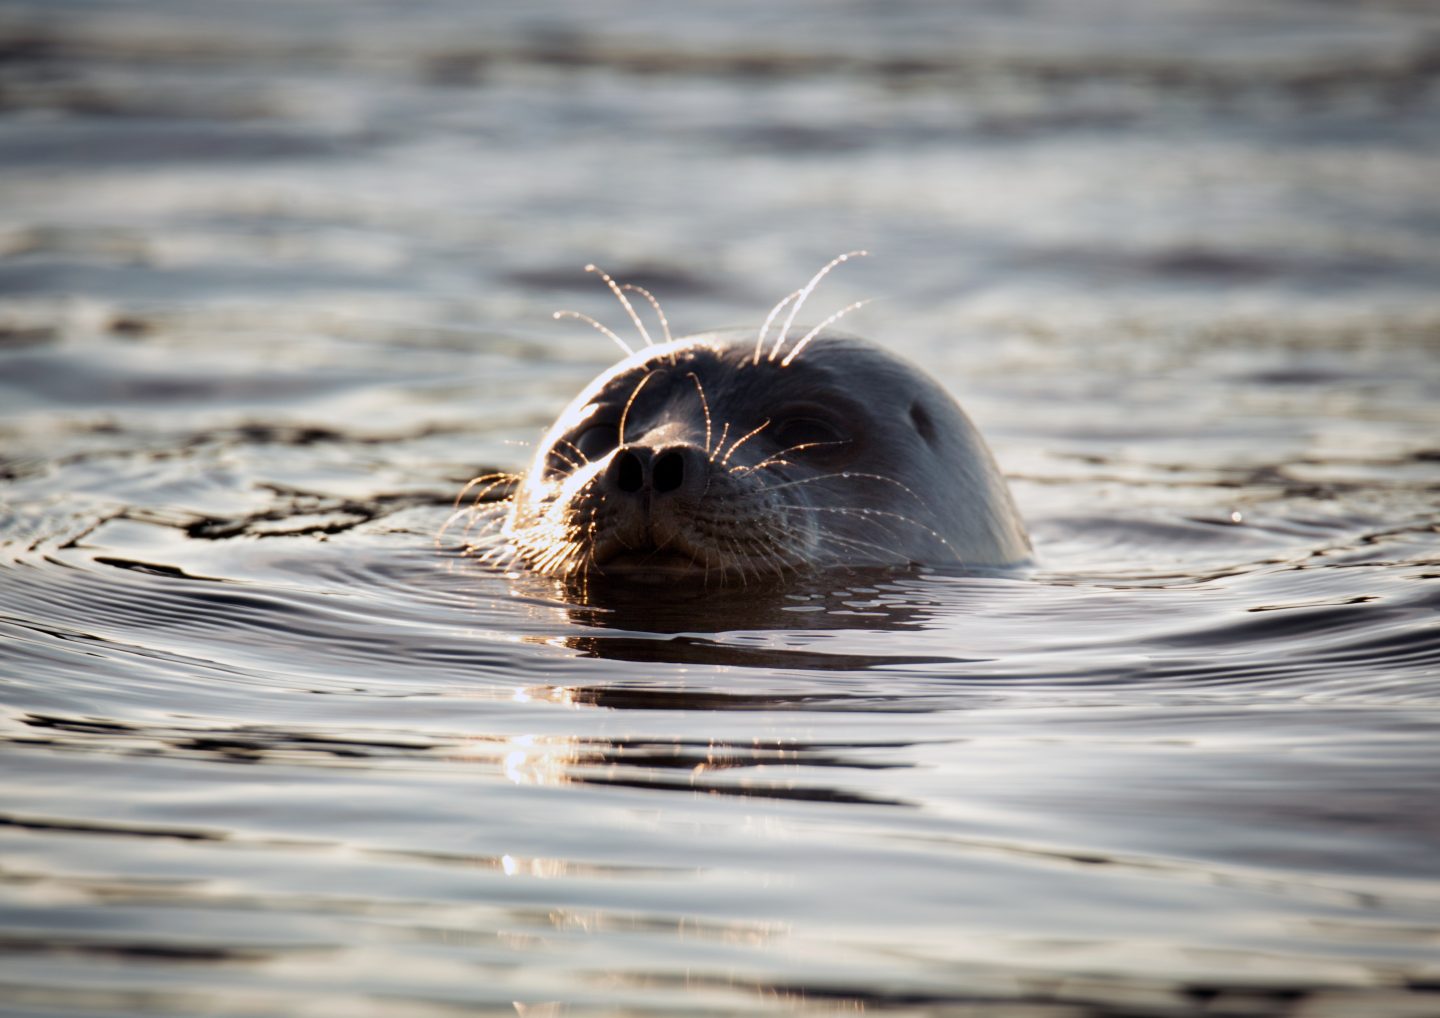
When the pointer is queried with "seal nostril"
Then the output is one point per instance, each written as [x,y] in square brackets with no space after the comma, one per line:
[630,475]
[669,471]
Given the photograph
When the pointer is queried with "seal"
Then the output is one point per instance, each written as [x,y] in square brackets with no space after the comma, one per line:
[726,458]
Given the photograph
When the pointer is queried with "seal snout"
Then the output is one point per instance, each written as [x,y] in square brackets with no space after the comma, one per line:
[639,469]
[648,492]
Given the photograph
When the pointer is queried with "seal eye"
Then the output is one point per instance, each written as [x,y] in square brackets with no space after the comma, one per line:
[597,440]
[809,434]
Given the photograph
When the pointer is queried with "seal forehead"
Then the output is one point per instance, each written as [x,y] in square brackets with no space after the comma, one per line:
[836,370]
[728,374]
[681,355]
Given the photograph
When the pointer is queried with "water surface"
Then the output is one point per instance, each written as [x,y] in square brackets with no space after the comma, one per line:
[276,283]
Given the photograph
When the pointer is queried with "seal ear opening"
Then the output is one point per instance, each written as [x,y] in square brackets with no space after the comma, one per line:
[924,424]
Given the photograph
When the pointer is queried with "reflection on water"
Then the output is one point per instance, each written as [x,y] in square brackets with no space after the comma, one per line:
[276,286]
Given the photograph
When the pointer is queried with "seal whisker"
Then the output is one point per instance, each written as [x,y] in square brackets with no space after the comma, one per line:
[771,554]
[822,533]
[624,301]
[551,559]
[849,544]
[769,320]
[847,474]
[763,557]
[495,480]
[742,440]
[879,525]
[720,442]
[474,505]
[867,514]
[569,460]
[440,534]
[775,458]
[500,477]
[805,340]
[705,403]
[625,414]
[920,502]
[654,303]
[740,559]
[558,315]
[566,459]
[804,295]
[587,564]
[487,520]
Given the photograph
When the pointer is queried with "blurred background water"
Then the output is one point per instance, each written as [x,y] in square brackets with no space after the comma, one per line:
[276,281]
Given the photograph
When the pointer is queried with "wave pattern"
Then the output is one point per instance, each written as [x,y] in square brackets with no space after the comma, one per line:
[292,750]
[271,746]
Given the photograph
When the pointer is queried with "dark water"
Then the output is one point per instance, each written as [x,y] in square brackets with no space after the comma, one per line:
[276,282]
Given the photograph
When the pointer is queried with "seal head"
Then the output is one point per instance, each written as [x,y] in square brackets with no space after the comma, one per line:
[696,458]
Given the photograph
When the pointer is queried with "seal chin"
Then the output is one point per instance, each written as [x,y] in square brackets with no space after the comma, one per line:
[650,565]
[670,557]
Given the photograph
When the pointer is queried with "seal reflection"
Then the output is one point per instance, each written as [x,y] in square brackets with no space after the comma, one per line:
[784,769]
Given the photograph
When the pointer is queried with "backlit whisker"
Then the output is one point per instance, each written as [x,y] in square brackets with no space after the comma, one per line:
[625,414]
[558,315]
[804,295]
[705,404]
[742,440]
[624,301]
[805,340]
[720,442]
[654,303]
[769,320]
